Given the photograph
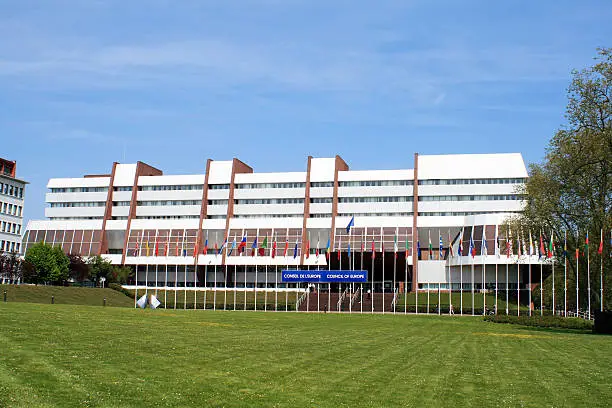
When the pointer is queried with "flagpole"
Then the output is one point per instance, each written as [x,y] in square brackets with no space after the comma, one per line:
[472,249]
[529,278]
[339,267]
[175,284]
[577,286]
[461,273]
[541,276]
[518,274]
[588,276]
[601,284]
[565,273]
[484,253]
[550,247]
[406,274]
[382,243]
[372,277]
[361,267]
[216,286]
[256,269]
[394,267]
[450,279]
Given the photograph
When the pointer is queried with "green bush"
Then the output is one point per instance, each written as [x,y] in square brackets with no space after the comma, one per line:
[119,288]
[543,321]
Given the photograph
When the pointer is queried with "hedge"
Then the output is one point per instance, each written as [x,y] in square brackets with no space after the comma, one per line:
[543,321]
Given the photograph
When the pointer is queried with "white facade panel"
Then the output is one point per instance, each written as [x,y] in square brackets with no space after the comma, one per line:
[359,208]
[469,206]
[275,223]
[139,224]
[124,175]
[64,224]
[371,175]
[168,210]
[122,196]
[269,193]
[218,194]
[172,180]
[74,212]
[220,172]
[254,178]
[322,169]
[321,192]
[79,182]
[325,208]
[375,191]
[75,197]
[216,209]
[240,209]
[459,166]
[122,211]
[116,225]
[315,223]
[169,195]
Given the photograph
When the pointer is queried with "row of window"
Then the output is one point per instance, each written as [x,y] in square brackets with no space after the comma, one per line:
[379,214]
[122,188]
[269,216]
[121,203]
[270,201]
[184,187]
[74,218]
[11,190]
[386,199]
[168,202]
[10,227]
[218,186]
[461,213]
[78,204]
[321,200]
[79,189]
[217,202]
[317,184]
[487,197]
[443,182]
[247,186]
[376,183]
[11,209]
[9,246]
[168,217]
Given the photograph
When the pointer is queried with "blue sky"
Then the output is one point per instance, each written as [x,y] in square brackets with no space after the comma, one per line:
[171,83]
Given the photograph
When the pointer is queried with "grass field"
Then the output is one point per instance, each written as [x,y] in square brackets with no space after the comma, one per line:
[65,295]
[411,300]
[72,356]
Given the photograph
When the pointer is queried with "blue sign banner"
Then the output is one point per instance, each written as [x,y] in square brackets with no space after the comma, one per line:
[324,276]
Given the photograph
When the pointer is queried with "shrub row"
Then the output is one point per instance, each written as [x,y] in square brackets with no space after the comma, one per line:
[119,288]
[543,321]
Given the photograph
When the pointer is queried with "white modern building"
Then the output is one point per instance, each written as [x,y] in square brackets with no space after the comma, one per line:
[137,216]
[12,192]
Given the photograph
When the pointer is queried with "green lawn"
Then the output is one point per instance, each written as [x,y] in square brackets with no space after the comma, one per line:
[64,355]
[65,295]
[410,299]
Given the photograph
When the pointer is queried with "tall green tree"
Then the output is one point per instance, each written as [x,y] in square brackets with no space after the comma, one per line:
[50,263]
[570,192]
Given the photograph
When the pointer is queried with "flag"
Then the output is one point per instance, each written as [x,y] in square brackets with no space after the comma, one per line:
[205,249]
[307,249]
[407,248]
[254,246]
[586,244]
[232,247]
[430,247]
[518,245]
[142,302]
[483,248]
[154,302]
[565,245]
[274,248]
[551,245]
[196,245]
[350,224]
[531,251]
[472,250]
[441,246]
[136,248]
[147,246]
[286,246]
[217,249]
[497,247]
[183,246]
[395,243]
[264,246]
[460,247]
[223,246]
[157,246]
[373,249]
[177,246]
[451,251]
[418,249]
[600,249]
[318,245]
[542,250]
[167,250]
[295,249]
[242,245]
[328,248]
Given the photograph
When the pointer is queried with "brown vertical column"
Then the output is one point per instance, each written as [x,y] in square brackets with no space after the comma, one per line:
[306,208]
[415,214]
[238,167]
[340,166]
[142,169]
[203,210]
[108,212]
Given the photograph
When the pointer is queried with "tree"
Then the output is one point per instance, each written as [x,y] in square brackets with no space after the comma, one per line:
[100,268]
[50,263]
[10,267]
[121,274]
[79,270]
[571,191]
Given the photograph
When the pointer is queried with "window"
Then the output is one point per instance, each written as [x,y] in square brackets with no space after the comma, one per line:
[78,204]
[461,213]
[168,217]
[491,197]
[376,183]
[168,203]
[317,184]
[218,186]
[444,182]
[171,188]
[270,185]
[271,201]
[377,214]
[321,200]
[217,202]
[122,188]
[385,199]
[121,203]
[78,190]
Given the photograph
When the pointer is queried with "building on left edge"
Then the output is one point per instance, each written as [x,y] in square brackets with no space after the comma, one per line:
[12,194]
